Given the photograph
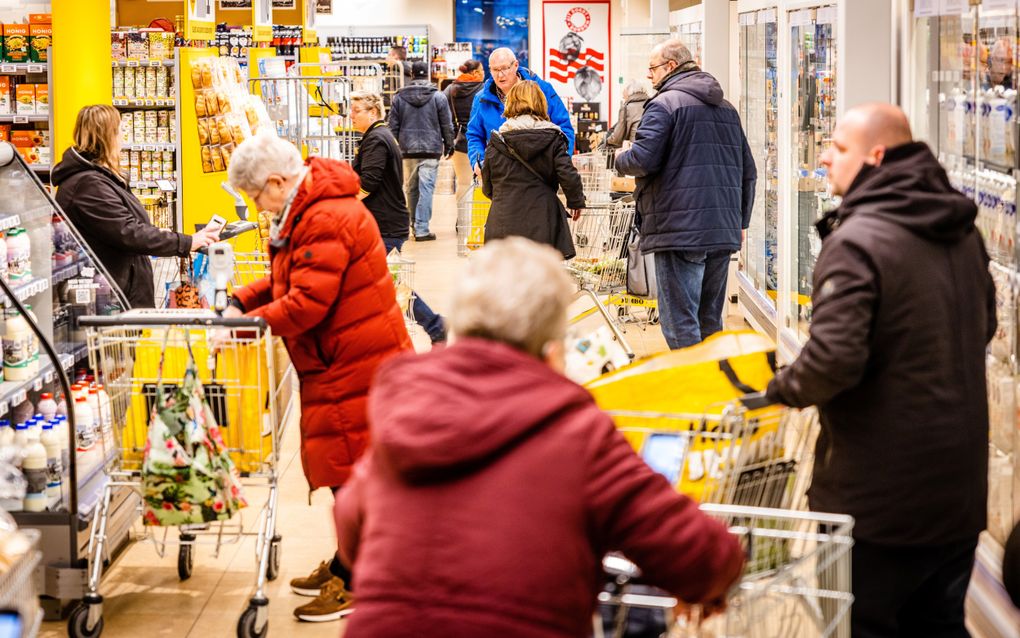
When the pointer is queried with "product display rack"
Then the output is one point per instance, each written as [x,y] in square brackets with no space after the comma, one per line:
[36,71]
[961,97]
[373,43]
[65,282]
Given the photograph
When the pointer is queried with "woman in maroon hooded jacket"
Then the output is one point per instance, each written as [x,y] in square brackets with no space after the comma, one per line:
[330,296]
[494,485]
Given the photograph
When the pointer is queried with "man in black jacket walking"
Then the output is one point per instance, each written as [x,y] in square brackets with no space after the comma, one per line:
[420,120]
[904,308]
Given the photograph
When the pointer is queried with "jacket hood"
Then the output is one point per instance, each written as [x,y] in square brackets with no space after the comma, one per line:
[698,83]
[452,410]
[911,189]
[417,95]
[73,163]
[526,122]
[638,96]
[531,142]
[465,88]
[330,179]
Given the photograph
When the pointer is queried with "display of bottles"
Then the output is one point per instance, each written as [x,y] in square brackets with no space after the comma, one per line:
[34,467]
[54,465]
[377,47]
[286,39]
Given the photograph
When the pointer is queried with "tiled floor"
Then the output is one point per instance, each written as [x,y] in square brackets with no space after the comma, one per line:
[143,594]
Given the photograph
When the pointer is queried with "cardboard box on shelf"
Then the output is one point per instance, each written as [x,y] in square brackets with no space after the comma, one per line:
[40,39]
[24,99]
[30,154]
[118,45]
[137,45]
[6,103]
[16,47]
[24,139]
[40,18]
[42,99]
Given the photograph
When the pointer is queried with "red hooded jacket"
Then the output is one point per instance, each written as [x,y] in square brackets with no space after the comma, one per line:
[330,296]
[493,488]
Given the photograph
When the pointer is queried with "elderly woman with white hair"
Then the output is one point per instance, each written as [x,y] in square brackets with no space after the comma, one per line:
[635,94]
[330,296]
[494,485]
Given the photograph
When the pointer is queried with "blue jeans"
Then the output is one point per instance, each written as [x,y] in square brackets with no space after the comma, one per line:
[419,184]
[692,291]
[423,315]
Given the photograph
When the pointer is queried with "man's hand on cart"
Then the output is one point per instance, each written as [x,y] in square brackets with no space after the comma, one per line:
[221,336]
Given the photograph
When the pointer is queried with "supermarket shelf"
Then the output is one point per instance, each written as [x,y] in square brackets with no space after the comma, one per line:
[150,147]
[23,119]
[40,168]
[145,103]
[65,272]
[26,290]
[151,184]
[22,68]
[9,221]
[14,392]
[135,63]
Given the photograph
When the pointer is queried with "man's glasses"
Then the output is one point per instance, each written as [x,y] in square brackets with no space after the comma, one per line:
[653,67]
[502,70]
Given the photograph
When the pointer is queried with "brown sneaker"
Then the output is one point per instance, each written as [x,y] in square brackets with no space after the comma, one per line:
[333,603]
[311,585]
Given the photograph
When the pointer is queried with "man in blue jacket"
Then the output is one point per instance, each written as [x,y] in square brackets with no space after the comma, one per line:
[487,110]
[695,189]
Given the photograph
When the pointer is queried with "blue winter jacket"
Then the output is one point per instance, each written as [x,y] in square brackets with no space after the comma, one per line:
[420,120]
[487,116]
[695,172]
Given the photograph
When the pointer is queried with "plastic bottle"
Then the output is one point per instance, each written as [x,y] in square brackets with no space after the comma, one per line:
[54,469]
[93,399]
[33,345]
[33,466]
[19,255]
[106,417]
[60,429]
[47,406]
[62,405]
[20,442]
[22,412]
[6,433]
[86,432]
[17,344]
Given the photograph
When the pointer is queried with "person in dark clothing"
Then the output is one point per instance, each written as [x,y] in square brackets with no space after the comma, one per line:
[525,164]
[398,58]
[377,163]
[461,94]
[904,308]
[635,96]
[420,120]
[495,485]
[98,201]
[695,190]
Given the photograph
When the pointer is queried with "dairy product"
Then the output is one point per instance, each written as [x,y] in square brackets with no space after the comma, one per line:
[105,417]
[86,431]
[17,344]
[33,466]
[47,406]
[19,255]
[54,467]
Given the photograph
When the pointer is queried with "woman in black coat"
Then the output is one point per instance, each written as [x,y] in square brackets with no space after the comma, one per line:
[98,201]
[526,162]
[461,94]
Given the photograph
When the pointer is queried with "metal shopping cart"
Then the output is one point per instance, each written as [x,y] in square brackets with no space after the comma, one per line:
[472,213]
[796,581]
[402,270]
[18,591]
[125,350]
[596,176]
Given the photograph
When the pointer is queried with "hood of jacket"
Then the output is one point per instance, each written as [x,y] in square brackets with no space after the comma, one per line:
[639,96]
[465,88]
[526,122]
[694,82]
[72,163]
[531,142]
[417,95]
[444,413]
[330,179]
[911,189]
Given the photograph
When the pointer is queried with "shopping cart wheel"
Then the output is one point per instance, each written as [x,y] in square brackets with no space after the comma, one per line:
[272,569]
[254,615]
[78,623]
[653,316]
[185,559]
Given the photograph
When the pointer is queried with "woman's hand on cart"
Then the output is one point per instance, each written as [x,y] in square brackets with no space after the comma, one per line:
[575,213]
[756,401]
[221,336]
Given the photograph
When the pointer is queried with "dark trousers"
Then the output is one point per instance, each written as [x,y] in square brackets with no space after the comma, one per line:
[423,315]
[692,292]
[910,592]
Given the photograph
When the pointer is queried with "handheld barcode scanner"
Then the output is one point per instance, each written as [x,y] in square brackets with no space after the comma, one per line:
[221,271]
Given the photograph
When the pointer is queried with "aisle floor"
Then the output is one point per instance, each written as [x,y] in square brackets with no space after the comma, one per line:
[143,595]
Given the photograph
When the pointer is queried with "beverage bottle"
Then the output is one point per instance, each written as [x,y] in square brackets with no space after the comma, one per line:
[62,405]
[86,432]
[47,406]
[33,466]
[93,401]
[6,433]
[54,469]
[105,417]
[60,429]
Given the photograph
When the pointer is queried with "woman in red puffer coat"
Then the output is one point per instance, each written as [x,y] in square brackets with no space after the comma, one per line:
[330,296]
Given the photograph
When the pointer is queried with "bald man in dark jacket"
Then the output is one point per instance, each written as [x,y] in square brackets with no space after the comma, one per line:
[904,308]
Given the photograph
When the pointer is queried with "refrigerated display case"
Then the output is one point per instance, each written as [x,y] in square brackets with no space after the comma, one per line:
[55,279]
[813,65]
[758,274]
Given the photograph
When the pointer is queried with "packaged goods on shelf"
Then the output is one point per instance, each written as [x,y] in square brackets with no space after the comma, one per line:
[227,113]
[6,101]
[40,40]
[24,99]
[142,44]
[16,43]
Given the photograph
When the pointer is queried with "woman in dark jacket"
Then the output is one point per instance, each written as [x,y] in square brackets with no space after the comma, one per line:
[109,217]
[635,96]
[462,95]
[526,162]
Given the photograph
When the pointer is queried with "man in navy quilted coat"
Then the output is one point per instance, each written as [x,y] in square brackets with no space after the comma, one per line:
[695,189]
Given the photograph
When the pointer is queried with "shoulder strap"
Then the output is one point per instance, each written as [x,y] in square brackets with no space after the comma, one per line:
[517,156]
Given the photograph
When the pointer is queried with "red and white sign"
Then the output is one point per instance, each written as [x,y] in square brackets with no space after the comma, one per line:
[575,45]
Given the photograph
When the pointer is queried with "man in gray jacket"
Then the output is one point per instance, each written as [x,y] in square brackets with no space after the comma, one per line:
[421,121]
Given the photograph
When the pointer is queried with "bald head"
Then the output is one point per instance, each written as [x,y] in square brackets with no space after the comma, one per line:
[503,67]
[502,56]
[862,137]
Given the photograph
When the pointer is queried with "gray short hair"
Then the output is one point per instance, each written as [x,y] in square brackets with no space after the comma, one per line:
[514,291]
[637,85]
[674,50]
[372,101]
[503,52]
[260,156]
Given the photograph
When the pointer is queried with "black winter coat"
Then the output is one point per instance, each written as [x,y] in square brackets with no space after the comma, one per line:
[420,120]
[695,172]
[381,170]
[461,96]
[904,308]
[523,205]
[115,225]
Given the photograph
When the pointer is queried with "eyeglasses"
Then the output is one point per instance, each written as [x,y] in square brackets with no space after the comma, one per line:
[502,70]
[653,67]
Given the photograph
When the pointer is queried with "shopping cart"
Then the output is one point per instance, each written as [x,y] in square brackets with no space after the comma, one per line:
[125,350]
[796,581]
[596,177]
[18,590]
[472,213]
[402,270]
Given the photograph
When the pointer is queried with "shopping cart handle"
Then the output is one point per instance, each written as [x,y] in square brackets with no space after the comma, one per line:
[171,319]
[756,401]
